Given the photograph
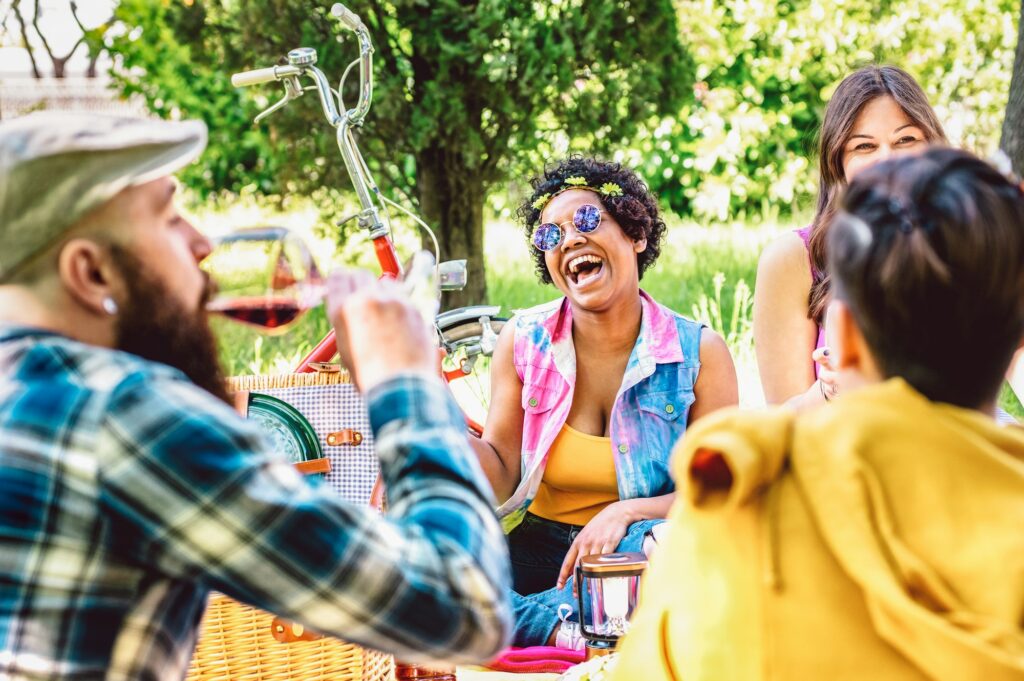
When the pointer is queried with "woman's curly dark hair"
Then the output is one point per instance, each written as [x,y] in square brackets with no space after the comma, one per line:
[636,210]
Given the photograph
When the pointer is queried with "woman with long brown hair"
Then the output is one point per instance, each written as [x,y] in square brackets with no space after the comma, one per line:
[876,112]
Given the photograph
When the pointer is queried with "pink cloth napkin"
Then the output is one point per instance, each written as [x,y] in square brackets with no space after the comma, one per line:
[537,659]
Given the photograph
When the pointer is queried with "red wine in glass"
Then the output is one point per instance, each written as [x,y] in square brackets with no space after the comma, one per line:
[266,277]
[270,313]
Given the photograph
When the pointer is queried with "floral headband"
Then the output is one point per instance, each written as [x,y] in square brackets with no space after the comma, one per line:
[608,189]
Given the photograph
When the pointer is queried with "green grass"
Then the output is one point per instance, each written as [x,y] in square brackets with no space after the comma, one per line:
[1008,401]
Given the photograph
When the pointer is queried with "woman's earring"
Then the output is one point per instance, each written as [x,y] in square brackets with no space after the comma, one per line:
[109,306]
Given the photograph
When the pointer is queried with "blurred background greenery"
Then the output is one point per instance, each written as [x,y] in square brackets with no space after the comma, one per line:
[716,103]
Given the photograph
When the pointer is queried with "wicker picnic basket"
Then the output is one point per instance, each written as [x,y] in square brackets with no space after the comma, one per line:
[240,643]
[237,643]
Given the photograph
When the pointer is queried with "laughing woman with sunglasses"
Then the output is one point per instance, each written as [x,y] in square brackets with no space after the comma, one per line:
[590,392]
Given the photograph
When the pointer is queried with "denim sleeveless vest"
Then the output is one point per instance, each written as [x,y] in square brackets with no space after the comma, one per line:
[650,410]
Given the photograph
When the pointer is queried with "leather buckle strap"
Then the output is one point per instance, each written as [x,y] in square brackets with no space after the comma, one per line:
[345,437]
[314,466]
[287,631]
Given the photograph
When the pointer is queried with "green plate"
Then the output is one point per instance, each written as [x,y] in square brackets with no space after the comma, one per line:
[291,433]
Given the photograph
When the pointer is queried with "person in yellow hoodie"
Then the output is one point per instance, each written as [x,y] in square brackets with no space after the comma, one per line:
[880,536]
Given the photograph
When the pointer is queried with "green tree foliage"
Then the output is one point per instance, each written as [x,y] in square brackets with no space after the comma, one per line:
[155,59]
[746,143]
[468,91]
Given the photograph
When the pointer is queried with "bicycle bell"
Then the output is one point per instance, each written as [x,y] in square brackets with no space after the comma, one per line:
[302,56]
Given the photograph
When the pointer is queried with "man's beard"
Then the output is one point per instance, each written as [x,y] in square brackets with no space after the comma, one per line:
[155,325]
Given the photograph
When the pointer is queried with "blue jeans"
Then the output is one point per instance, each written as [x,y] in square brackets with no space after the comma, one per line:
[538,547]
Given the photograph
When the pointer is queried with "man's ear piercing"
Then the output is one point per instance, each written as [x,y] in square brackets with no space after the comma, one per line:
[109,306]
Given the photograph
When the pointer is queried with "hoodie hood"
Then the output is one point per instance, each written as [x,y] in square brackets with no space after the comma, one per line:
[921,504]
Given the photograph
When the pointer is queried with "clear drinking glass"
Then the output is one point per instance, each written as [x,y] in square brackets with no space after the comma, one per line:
[267,277]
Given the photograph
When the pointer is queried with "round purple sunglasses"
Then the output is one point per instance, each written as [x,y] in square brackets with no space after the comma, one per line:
[548,236]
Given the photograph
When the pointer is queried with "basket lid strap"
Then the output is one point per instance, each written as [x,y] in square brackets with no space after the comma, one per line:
[314,466]
[241,398]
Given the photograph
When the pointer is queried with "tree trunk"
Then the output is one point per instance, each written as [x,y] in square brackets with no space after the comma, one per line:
[16,7]
[452,199]
[91,71]
[1013,125]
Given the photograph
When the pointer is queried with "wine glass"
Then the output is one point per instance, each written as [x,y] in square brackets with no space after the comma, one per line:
[267,277]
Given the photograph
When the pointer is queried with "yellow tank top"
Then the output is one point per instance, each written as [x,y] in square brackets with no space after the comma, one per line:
[579,478]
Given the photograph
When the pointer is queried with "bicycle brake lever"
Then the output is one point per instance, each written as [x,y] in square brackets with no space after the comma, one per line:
[274,107]
[347,218]
[292,87]
[292,90]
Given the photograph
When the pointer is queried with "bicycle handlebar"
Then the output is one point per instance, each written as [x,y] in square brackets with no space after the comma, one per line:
[347,17]
[257,76]
[302,62]
[352,22]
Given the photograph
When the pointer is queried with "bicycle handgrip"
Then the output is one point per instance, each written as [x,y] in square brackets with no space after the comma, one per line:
[254,77]
[257,76]
[346,16]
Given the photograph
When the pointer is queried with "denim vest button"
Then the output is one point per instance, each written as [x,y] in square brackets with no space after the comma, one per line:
[533,402]
[669,408]
[623,448]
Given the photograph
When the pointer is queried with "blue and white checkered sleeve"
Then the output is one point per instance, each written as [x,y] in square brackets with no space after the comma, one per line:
[195,491]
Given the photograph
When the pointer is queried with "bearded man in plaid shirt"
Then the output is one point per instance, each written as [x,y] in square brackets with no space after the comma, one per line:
[129,488]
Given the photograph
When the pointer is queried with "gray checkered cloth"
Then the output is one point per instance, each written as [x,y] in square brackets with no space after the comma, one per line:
[330,408]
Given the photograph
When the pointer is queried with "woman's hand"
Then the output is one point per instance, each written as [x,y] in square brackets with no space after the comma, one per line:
[828,377]
[824,388]
[601,535]
[832,380]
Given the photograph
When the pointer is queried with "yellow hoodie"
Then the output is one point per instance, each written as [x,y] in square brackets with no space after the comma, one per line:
[879,538]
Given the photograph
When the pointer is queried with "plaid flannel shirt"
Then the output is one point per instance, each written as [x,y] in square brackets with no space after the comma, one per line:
[127,494]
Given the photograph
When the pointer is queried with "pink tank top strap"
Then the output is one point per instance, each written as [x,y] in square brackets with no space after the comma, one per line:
[805,235]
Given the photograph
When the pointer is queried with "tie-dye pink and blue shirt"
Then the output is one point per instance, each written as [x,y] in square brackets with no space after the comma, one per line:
[651,407]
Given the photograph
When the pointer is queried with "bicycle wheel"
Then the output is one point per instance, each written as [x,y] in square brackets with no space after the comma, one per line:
[467,364]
